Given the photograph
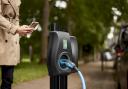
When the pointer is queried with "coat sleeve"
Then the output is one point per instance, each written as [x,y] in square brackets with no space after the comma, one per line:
[6,25]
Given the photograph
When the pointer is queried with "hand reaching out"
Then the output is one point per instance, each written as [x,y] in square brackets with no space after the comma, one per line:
[24,30]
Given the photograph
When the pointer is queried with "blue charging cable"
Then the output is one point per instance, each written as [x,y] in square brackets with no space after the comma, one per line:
[71,65]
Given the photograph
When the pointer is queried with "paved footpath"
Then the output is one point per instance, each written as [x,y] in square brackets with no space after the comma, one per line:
[96,79]
[92,72]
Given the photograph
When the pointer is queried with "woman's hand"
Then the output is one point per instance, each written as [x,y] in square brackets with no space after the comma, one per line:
[24,30]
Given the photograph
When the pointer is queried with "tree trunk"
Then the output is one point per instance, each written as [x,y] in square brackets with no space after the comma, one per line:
[80,53]
[69,26]
[44,36]
[69,20]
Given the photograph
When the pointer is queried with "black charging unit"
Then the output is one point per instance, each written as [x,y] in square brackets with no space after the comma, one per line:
[61,46]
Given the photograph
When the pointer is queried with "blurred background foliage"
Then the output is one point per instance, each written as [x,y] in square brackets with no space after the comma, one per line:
[88,20]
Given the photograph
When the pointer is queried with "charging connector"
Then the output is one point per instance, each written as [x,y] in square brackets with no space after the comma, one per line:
[68,64]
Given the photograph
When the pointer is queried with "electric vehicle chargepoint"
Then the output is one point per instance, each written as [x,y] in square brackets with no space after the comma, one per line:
[62,59]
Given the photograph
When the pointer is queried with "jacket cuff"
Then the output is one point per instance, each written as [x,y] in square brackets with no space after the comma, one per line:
[13,29]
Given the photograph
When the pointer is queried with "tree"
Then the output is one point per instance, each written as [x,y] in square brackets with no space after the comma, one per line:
[45,21]
[89,20]
[31,9]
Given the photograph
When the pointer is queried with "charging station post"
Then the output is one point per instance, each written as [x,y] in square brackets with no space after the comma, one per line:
[62,48]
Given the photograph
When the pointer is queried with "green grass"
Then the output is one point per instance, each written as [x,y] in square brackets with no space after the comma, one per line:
[29,71]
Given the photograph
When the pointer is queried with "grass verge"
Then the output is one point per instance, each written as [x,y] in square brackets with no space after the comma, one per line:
[29,71]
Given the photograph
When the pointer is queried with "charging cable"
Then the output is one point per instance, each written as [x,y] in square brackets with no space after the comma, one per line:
[71,65]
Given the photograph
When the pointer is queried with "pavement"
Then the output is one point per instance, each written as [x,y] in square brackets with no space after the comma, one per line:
[95,78]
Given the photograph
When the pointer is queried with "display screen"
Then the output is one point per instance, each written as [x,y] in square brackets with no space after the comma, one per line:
[65,44]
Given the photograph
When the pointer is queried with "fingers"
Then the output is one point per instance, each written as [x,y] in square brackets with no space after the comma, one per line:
[27,28]
[23,30]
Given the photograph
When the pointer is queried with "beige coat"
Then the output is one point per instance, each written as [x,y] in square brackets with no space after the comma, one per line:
[9,41]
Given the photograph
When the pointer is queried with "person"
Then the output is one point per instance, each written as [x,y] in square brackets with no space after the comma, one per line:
[10,30]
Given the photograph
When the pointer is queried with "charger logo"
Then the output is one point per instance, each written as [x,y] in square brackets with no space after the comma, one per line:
[65,44]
